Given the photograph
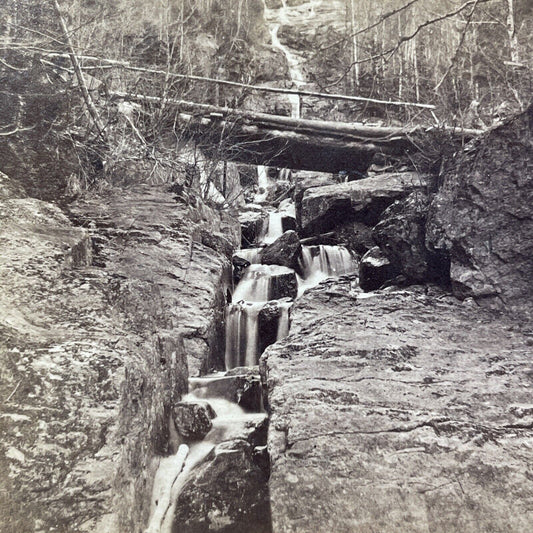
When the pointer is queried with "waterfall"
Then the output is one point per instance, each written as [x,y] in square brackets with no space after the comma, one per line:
[256,284]
[252,255]
[174,471]
[259,287]
[274,229]
[283,325]
[242,334]
[321,262]
[328,260]
[263,183]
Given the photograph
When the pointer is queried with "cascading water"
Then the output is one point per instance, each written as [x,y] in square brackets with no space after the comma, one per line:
[254,296]
[321,262]
[174,471]
[274,228]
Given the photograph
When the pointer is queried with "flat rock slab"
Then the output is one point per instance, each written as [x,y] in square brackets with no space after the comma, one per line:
[324,208]
[399,412]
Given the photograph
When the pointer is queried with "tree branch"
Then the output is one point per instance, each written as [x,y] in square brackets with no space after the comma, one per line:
[93,112]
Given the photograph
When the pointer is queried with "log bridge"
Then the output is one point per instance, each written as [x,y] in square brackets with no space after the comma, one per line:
[302,144]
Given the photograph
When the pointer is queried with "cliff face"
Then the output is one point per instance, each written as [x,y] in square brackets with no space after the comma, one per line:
[100,328]
[399,411]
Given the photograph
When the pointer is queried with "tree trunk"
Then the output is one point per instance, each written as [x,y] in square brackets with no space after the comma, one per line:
[511,32]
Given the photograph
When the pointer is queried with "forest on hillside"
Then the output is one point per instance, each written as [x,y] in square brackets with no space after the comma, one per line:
[70,58]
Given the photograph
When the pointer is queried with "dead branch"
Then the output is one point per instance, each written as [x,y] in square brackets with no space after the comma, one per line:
[261,88]
[459,46]
[93,112]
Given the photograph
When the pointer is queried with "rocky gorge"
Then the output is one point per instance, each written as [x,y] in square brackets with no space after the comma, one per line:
[329,355]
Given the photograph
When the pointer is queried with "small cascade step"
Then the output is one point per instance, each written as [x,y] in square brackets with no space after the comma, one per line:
[261,283]
[235,435]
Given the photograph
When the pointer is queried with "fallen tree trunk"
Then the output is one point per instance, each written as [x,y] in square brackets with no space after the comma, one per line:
[342,129]
[245,143]
[261,139]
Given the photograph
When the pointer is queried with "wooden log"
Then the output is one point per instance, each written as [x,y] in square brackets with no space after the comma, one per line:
[255,145]
[342,129]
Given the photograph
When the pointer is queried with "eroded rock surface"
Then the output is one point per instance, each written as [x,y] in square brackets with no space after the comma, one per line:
[285,251]
[483,215]
[399,411]
[401,235]
[93,358]
[324,208]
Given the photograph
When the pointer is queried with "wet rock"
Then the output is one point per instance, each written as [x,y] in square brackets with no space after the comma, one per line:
[285,251]
[324,208]
[375,269]
[306,180]
[482,215]
[288,223]
[401,235]
[193,420]
[228,492]
[381,403]
[240,385]
[239,266]
[252,223]
[267,323]
[284,285]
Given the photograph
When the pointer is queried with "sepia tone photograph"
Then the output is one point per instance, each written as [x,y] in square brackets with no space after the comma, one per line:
[266,266]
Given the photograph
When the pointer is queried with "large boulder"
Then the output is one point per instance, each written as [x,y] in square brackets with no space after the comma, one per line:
[401,235]
[285,251]
[227,493]
[407,411]
[482,215]
[375,269]
[324,208]
[193,419]
[306,180]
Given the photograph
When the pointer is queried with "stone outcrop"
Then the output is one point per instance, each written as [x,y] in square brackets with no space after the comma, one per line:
[375,269]
[193,420]
[228,492]
[324,208]
[94,358]
[401,235]
[285,251]
[399,411]
[306,180]
[482,215]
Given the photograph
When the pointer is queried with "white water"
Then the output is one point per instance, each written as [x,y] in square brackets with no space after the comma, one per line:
[256,283]
[284,324]
[321,262]
[252,255]
[242,337]
[264,183]
[274,229]
[173,473]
